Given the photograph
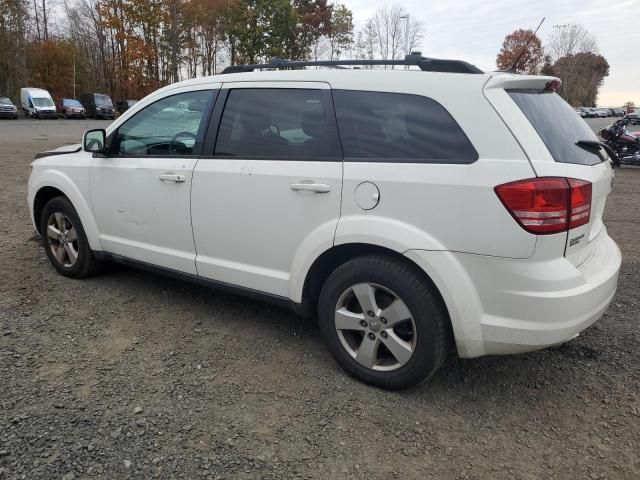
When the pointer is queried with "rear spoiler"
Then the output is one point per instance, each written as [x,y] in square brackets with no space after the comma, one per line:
[508,81]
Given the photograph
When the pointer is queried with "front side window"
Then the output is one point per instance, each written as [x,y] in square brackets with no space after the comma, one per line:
[281,124]
[167,127]
[394,127]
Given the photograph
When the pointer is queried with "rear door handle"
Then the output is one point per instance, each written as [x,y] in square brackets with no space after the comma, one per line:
[170,177]
[311,187]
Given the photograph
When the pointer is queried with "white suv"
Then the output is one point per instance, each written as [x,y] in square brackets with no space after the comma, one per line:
[412,211]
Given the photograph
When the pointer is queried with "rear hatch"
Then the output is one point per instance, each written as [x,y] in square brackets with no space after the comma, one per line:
[554,137]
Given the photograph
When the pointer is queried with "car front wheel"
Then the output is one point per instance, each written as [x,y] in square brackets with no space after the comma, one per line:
[64,239]
[383,322]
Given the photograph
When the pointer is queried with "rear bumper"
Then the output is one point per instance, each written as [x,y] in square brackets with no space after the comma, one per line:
[504,306]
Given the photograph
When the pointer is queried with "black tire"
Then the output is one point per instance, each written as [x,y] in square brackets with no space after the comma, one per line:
[85,263]
[430,318]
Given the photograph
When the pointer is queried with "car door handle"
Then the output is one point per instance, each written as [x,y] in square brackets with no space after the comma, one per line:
[170,177]
[311,187]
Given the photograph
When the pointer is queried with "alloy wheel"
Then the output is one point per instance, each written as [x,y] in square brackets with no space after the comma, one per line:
[375,327]
[62,239]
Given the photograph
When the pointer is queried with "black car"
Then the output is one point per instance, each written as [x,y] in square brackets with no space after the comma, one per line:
[97,105]
[124,105]
[7,108]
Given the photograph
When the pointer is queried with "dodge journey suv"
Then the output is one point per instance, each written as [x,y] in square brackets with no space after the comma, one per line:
[412,211]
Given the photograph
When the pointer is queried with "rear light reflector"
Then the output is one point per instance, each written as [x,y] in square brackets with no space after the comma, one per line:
[547,205]
[580,202]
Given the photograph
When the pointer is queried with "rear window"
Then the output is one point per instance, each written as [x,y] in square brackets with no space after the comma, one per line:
[395,127]
[558,126]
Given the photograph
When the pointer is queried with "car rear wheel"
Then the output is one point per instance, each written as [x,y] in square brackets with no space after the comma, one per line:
[383,322]
[64,240]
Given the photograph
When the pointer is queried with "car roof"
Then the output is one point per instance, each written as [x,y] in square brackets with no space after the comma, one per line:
[334,76]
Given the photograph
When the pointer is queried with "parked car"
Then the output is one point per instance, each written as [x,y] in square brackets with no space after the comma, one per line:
[7,108]
[619,112]
[602,112]
[409,217]
[70,108]
[124,105]
[37,103]
[97,105]
[579,112]
[633,116]
[588,112]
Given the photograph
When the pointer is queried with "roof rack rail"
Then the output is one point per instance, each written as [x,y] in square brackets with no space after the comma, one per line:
[413,59]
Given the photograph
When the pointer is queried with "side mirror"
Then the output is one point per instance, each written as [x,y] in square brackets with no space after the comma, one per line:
[94,140]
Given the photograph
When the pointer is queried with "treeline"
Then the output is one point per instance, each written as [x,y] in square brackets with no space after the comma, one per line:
[128,48]
[570,53]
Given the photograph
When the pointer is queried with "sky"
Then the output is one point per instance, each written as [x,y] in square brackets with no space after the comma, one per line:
[473,30]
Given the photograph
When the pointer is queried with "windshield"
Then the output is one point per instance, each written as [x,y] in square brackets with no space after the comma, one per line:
[71,103]
[558,126]
[103,101]
[42,102]
[5,101]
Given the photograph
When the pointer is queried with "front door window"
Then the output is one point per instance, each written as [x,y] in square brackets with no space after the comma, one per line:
[169,127]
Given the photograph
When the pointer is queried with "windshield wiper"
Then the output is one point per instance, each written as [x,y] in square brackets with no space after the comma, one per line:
[594,145]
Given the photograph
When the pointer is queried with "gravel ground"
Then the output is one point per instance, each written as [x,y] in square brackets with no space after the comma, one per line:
[133,375]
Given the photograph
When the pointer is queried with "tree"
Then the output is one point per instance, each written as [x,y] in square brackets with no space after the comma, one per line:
[516,43]
[574,58]
[629,104]
[584,74]
[313,22]
[260,29]
[569,39]
[50,65]
[340,34]
[391,33]
[13,20]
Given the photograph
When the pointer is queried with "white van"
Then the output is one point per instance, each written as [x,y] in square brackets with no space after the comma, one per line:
[37,103]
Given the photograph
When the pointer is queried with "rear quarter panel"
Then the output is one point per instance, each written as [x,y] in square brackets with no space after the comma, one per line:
[435,206]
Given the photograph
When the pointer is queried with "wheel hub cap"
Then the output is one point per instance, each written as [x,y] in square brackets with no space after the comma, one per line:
[375,327]
[62,239]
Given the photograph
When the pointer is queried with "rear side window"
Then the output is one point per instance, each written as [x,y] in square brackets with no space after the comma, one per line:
[278,124]
[558,126]
[393,127]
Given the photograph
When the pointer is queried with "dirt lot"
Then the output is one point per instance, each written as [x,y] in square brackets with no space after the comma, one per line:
[133,375]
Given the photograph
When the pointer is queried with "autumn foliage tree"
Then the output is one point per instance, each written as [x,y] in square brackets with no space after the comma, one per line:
[514,44]
[574,58]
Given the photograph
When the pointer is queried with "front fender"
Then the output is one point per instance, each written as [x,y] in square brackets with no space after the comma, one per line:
[60,180]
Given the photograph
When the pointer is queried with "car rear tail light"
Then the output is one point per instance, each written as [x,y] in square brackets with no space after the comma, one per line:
[547,205]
